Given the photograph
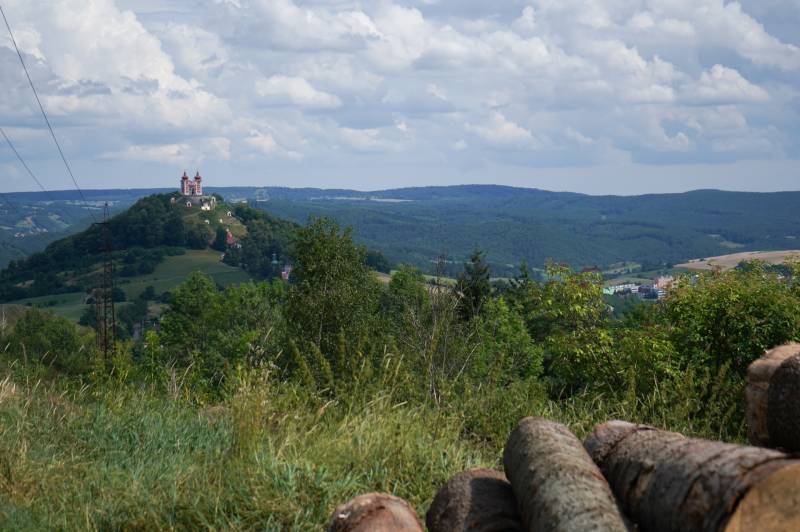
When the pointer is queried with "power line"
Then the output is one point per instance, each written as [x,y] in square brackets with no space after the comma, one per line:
[44,114]
[24,164]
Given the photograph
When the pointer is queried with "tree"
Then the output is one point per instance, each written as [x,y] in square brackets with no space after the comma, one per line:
[214,331]
[473,286]
[51,340]
[333,290]
[504,349]
[378,262]
[220,240]
[192,307]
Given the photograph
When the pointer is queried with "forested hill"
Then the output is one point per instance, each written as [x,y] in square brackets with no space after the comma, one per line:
[514,224]
[142,236]
[511,224]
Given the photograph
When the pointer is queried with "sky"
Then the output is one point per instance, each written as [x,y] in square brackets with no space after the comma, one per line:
[593,96]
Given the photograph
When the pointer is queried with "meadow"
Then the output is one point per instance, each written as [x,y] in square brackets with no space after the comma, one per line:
[167,275]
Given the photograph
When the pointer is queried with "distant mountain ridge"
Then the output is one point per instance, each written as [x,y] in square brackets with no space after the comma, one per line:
[515,224]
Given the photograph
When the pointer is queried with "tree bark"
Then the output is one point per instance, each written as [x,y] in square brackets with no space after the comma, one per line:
[479,500]
[557,486]
[665,481]
[375,512]
[773,399]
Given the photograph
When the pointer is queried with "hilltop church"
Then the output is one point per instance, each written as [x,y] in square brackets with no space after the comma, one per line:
[192,193]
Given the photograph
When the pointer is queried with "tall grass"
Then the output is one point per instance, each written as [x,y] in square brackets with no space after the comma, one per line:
[271,455]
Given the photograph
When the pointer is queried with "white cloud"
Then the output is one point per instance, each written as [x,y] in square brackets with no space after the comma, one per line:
[338,82]
[180,154]
[295,91]
[264,142]
[725,85]
[500,131]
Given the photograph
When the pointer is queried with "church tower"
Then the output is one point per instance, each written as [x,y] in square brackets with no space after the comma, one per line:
[198,185]
[185,185]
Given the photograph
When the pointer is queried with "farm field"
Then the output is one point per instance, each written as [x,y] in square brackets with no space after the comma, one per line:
[166,276]
[728,262]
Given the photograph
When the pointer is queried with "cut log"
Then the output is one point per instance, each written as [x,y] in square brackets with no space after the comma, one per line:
[479,500]
[666,481]
[375,512]
[556,484]
[773,399]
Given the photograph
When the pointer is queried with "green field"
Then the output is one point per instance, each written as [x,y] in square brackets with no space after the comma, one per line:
[174,270]
[166,276]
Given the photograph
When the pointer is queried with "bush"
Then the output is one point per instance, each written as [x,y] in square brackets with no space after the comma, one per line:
[52,341]
[732,317]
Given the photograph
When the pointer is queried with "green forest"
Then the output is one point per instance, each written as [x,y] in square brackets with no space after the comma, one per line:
[417,225]
[264,404]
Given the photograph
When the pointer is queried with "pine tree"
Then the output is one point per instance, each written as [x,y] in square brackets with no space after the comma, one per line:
[473,286]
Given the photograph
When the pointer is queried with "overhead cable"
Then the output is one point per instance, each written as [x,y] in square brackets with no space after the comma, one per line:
[44,115]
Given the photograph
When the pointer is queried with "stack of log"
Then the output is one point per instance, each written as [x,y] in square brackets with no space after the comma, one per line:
[773,399]
[624,476]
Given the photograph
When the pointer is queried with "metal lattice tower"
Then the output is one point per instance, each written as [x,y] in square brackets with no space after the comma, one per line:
[104,295]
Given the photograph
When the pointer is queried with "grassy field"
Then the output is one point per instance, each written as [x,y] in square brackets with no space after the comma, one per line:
[68,305]
[267,457]
[728,262]
[166,276]
[174,270]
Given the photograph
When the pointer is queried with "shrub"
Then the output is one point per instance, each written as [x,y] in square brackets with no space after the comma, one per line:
[44,338]
[732,317]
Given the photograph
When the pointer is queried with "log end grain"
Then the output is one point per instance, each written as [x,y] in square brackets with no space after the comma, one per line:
[479,500]
[375,512]
[783,405]
[772,505]
[773,398]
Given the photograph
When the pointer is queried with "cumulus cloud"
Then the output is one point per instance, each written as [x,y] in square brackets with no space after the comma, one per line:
[500,131]
[725,85]
[294,91]
[245,83]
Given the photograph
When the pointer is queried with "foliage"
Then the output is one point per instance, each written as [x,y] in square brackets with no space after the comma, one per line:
[333,291]
[732,317]
[220,239]
[473,286]
[211,332]
[504,352]
[267,237]
[51,341]
[377,261]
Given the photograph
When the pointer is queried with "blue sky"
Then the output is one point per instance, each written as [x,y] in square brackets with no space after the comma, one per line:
[596,96]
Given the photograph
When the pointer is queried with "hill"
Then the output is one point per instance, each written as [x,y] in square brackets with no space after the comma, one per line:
[517,224]
[514,224]
[31,220]
[157,242]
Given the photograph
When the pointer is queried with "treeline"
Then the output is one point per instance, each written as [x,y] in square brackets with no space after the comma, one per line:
[534,225]
[339,332]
